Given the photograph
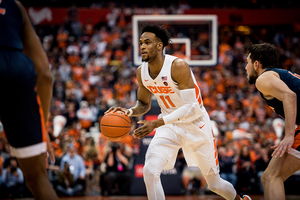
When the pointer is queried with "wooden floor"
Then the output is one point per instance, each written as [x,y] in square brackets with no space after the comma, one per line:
[204,197]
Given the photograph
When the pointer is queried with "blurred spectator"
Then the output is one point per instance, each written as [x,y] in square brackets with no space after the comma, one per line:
[71,116]
[227,164]
[245,170]
[66,185]
[59,88]
[92,152]
[64,69]
[89,172]
[85,115]
[191,175]
[261,164]
[116,177]
[112,18]
[5,150]
[76,167]
[73,47]
[12,180]
[62,37]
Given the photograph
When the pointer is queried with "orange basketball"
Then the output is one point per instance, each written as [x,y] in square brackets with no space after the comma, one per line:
[115,126]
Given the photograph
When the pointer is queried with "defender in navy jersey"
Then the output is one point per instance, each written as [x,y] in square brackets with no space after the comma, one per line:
[281,91]
[26,89]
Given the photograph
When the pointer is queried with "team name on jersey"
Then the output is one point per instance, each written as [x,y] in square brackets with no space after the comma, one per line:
[160,89]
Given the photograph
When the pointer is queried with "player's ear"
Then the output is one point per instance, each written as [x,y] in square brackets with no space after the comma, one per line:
[160,46]
[256,64]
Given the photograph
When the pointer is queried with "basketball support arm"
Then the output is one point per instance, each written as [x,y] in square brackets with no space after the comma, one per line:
[188,112]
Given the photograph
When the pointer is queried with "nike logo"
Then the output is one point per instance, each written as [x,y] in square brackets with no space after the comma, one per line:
[146,80]
[201,126]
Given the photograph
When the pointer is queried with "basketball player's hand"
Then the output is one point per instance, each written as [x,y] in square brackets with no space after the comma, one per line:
[50,152]
[144,130]
[283,146]
[115,109]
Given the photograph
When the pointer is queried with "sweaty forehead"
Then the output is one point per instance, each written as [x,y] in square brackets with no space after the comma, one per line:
[147,35]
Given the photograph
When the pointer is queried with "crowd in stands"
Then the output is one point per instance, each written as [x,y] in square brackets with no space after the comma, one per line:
[93,70]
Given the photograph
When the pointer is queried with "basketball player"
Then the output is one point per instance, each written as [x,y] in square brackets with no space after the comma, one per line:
[26,88]
[183,123]
[281,91]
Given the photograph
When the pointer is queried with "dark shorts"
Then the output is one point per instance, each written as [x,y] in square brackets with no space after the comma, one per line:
[296,144]
[20,110]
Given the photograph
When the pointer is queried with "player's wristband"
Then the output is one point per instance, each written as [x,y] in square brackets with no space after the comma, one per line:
[130,111]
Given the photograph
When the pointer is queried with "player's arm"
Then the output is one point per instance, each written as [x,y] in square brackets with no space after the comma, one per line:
[190,110]
[143,103]
[32,47]
[270,85]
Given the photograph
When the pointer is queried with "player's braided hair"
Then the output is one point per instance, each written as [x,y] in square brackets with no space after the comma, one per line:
[160,32]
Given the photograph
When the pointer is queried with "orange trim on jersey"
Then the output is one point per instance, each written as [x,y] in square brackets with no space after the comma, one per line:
[216,152]
[297,139]
[295,75]
[198,96]
[42,119]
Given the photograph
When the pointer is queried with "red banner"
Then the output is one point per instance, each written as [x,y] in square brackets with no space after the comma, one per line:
[49,15]
[251,16]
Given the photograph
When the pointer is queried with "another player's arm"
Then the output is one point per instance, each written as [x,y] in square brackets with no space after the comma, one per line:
[270,85]
[32,47]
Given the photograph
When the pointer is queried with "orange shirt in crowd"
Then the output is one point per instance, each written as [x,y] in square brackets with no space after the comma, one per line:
[121,89]
[85,86]
[73,59]
[62,39]
[78,72]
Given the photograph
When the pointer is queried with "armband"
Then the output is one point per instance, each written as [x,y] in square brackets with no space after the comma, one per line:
[188,112]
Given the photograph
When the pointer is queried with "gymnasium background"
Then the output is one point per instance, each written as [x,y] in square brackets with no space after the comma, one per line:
[89,46]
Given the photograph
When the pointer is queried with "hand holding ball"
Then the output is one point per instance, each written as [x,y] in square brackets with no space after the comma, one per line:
[115,126]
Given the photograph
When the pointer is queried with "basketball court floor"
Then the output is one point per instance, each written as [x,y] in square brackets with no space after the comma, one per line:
[204,197]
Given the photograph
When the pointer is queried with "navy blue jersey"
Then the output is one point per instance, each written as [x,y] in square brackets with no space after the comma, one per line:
[292,80]
[11,25]
[21,112]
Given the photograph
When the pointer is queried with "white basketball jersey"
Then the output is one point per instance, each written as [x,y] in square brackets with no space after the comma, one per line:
[164,88]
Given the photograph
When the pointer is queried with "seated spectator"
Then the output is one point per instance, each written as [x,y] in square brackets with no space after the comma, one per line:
[85,115]
[12,180]
[245,170]
[190,176]
[116,179]
[226,166]
[77,168]
[66,184]
[261,164]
